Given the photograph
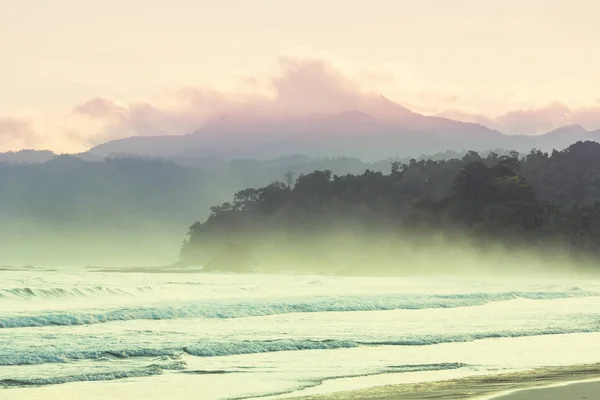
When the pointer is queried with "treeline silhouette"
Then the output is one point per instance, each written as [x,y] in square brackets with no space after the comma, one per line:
[545,201]
[62,209]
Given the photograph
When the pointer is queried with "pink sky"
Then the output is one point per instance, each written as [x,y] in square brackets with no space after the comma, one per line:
[76,72]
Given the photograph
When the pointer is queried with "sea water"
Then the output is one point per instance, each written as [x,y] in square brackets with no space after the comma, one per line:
[151,334]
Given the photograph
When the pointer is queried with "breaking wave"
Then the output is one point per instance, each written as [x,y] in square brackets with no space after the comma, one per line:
[230,348]
[29,293]
[255,308]
[158,370]
[104,376]
[100,372]
[393,369]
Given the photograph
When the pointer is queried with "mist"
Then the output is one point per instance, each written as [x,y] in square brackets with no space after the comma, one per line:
[58,210]
[299,199]
[380,251]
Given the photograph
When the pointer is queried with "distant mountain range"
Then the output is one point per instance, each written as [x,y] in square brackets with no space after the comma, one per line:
[380,130]
[383,129]
[26,156]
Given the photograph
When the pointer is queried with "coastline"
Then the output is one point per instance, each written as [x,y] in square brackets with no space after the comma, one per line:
[568,391]
[508,386]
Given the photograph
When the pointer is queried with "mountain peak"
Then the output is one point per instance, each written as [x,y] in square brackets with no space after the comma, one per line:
[386,107]
[571,129]
[355,116]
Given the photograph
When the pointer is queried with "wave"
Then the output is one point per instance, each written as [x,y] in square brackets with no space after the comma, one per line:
[256,308]
[29,293]
[54,378]
[427,340]
[204,349]
[231,348]
[102,376]
[54,356]
[217,349]
[397,369]
[153,370]
[424,367]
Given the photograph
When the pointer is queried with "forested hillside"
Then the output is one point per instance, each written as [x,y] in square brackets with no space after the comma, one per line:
[64,210]
[550,202]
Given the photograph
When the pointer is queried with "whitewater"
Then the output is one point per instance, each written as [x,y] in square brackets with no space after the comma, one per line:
[155,333]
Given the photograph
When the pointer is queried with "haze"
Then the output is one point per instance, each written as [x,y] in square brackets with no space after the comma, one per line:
[78,73]
[267,199]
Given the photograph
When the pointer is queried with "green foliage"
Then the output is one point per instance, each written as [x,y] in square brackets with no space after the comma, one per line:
[534,199]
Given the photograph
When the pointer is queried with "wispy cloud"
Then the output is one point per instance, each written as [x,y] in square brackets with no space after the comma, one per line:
[534,120]
[16,133]
[303,83]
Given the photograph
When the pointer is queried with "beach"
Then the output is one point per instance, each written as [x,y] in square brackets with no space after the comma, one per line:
[573,391]
[186,335]
[561,383]
[564,383]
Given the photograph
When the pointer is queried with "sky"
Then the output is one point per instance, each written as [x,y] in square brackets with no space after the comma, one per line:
[73,72]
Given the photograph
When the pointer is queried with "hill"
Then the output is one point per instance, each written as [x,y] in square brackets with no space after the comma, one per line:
[123,210]
[546,202]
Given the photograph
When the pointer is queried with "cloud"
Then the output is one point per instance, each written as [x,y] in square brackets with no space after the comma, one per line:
[16,134]
[102,108]
[534,120]
[301,83]
[588,117]
[310,85]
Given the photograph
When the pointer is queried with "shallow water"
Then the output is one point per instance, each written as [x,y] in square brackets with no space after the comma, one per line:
[153,334]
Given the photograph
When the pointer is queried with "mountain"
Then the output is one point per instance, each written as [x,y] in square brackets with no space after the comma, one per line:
[382,129]
[40,157]
[26,156]
[556,139]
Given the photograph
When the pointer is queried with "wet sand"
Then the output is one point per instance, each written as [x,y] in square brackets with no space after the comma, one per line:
[512,386]
[574,391]
[529,385]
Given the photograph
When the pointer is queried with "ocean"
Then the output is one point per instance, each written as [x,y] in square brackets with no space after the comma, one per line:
[149,334]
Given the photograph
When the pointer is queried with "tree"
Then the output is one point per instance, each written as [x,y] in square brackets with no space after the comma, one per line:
[535,199]
[288,179]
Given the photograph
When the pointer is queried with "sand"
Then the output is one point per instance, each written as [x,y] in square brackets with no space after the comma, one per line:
[512,386]
[575,391]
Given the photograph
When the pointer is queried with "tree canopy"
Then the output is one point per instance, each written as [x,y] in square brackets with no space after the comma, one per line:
[536,200]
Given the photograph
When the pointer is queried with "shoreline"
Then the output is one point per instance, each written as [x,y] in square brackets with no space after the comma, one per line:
[570,390]
[507,386]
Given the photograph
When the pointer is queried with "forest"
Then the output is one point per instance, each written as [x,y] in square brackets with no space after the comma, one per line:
[549,202]
[73,210]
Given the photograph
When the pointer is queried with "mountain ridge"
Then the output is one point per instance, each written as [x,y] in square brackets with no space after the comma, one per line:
[377,130]
[367,132]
